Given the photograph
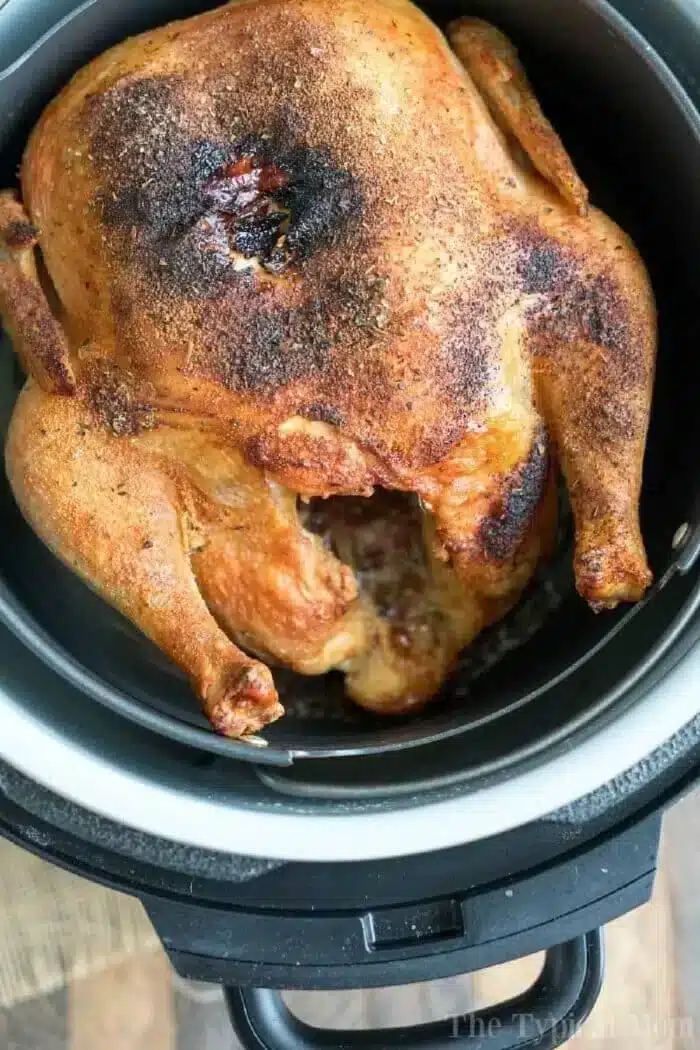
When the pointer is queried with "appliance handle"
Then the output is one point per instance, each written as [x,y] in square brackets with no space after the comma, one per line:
[543,1017]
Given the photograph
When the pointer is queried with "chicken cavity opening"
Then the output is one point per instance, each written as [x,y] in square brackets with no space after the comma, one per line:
[416,613]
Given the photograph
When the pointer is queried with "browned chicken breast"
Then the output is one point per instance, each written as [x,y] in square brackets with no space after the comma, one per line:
[300,252]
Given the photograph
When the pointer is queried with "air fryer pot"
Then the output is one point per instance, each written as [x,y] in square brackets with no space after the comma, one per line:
[519,814]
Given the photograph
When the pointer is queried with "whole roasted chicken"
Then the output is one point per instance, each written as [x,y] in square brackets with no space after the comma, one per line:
[320,309]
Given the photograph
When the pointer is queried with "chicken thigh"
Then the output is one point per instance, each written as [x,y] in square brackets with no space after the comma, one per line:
[294,253]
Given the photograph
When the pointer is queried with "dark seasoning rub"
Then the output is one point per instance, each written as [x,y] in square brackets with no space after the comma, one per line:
[217,196]
[20,234]
[577,305]
[182,211]
[112,400]
[267,248]
[215,164]
[502,531]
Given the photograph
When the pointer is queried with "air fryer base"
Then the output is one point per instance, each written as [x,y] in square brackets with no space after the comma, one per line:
[266,925]
[208,904]
[245,921]
[441,937]
[346,926]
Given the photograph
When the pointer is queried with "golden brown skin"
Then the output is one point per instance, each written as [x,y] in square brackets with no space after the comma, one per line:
[300,248]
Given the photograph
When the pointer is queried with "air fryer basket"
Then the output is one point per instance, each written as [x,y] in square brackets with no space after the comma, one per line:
[636,141]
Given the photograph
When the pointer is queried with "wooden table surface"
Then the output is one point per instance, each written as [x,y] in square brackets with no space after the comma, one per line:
[650,1000]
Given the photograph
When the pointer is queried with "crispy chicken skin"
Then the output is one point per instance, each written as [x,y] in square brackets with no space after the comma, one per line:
[302,251]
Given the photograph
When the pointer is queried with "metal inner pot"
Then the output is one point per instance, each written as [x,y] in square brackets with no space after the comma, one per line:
[635,138]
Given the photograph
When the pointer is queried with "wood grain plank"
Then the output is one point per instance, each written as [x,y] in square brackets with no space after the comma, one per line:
[38,1024]
[56,926]
[201,1017]
[680,858]
[126,1007]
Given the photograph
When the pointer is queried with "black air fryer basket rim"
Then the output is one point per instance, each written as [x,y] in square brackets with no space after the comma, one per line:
[20,621]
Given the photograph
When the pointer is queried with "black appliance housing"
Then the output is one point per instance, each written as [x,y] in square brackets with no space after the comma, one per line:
[633,132]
